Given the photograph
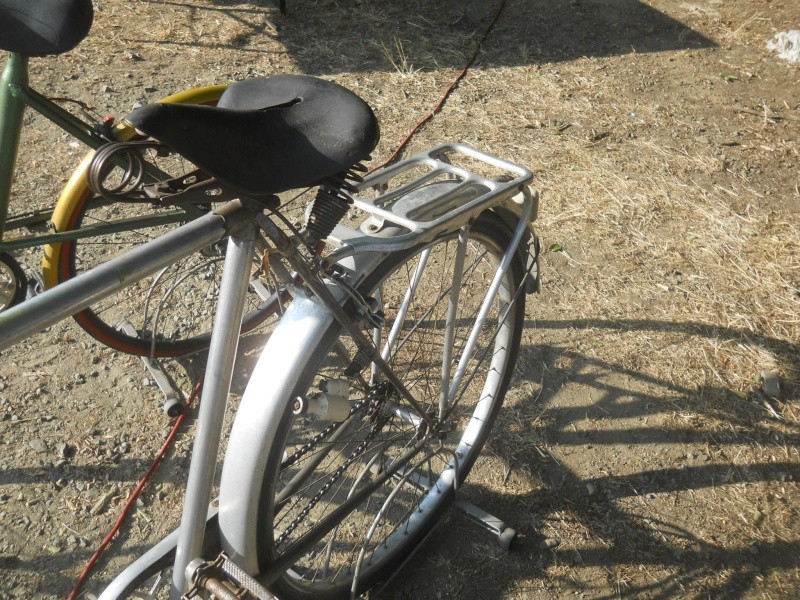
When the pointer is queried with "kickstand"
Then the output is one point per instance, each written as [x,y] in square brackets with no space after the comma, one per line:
[173,403]
[505,534]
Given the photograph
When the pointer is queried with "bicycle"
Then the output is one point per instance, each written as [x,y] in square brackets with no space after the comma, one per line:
[380,383]
[84,228]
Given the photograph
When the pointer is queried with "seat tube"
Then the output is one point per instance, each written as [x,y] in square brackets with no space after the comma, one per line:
[216,387]
[15,75]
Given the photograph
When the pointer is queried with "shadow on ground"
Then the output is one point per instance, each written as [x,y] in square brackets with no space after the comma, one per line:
[319,36]
[619,512]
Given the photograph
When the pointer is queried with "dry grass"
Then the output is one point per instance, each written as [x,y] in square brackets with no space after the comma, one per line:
[670,221]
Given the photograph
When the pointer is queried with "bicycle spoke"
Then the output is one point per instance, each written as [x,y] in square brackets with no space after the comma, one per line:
[403,311]
[449,327]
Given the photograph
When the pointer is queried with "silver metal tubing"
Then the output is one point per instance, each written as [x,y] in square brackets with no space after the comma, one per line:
[222,354]
[450,324]
[79,293]
[403,311]
[505,263]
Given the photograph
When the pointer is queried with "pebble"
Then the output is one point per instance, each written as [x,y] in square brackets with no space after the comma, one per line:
[98,506]
[770,383]
[549,543]
[38,445]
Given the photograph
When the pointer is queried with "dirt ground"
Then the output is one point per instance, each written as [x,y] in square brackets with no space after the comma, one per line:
[638,454]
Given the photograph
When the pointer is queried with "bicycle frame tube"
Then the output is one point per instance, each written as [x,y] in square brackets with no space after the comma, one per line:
[72,296]
[12,108]
[216,387]
[138,223]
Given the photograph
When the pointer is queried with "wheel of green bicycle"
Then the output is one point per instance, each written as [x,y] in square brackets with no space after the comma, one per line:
[314,465]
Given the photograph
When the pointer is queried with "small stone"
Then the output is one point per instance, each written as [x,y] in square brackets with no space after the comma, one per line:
[770,383]
[549,543]
[591,488]
[38,445]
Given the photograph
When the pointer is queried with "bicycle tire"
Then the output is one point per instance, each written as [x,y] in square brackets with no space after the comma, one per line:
[154,583]
[180,297]
[403,511]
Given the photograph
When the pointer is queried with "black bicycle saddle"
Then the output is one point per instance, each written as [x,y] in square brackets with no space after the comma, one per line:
[268,134]
[42,27]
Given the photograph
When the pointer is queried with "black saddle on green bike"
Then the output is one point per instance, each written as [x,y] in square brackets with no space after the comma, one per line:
[45,26]
[268,134]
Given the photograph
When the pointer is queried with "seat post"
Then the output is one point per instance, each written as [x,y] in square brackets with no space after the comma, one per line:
[12,107]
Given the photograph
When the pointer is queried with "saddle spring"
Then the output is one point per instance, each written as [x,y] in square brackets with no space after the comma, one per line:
[331,203]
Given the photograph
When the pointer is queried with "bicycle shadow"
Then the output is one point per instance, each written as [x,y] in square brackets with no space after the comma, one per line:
[407,36]
[608,501]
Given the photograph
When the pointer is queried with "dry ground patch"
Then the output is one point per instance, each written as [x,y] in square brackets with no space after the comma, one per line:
[637,454]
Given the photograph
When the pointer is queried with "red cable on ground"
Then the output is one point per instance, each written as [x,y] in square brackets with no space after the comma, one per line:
[447,93]
[134,495]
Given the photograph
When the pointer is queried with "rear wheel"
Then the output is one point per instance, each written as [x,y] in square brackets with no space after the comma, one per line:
[316,464]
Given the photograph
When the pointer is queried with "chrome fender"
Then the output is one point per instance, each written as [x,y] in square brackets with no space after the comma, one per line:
[264,400]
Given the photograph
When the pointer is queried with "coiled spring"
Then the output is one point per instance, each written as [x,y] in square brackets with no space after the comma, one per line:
[117,170]
[331,204]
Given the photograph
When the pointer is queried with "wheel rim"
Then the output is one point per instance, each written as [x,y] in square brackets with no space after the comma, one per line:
[374,535]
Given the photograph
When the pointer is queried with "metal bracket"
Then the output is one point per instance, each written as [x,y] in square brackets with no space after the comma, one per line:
[505,534]
[173,404]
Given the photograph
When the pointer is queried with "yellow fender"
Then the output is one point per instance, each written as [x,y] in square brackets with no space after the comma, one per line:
[77,187]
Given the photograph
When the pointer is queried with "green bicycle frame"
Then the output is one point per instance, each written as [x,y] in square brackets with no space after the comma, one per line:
[15,96]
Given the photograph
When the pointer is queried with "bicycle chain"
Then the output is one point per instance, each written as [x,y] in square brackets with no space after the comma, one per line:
[308,446]
[378,423]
